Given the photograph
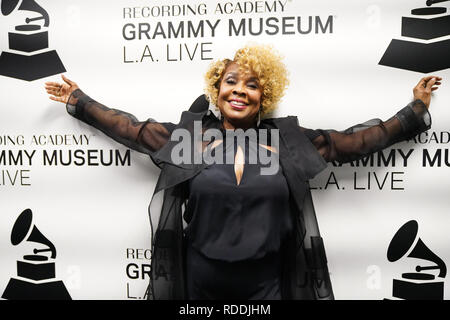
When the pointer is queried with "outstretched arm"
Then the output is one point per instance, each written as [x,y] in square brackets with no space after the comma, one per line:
[144,136]
[374,135]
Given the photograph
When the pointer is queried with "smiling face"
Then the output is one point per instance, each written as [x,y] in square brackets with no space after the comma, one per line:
[239,97]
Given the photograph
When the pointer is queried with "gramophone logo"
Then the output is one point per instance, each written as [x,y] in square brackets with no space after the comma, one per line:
[416,285]
[36,272]
[426,47]
[29,58]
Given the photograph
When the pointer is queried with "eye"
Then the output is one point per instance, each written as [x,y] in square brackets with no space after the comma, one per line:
[253,85]
[230,80]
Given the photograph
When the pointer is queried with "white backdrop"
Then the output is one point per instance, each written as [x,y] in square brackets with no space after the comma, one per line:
[96,216]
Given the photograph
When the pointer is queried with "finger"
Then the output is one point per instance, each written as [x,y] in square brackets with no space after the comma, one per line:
[56,99]
[52,88]
[423,82]
[428,78]
[53,92]
[55,84]
[431,83]
[70,82]
[435,88]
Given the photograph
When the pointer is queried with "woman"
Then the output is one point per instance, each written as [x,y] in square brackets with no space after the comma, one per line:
[245,235]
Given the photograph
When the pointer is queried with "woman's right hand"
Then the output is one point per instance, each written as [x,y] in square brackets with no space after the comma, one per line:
[61,91]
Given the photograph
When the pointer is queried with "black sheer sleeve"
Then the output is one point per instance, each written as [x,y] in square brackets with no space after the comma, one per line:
[371,136]
[147,137]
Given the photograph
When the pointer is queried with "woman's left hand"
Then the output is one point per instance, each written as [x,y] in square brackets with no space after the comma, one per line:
[425,87]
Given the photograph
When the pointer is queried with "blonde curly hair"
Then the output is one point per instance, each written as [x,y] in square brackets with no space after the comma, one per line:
[262,60]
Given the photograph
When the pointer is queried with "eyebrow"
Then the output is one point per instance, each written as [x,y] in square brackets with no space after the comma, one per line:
[234,74]
[231,73]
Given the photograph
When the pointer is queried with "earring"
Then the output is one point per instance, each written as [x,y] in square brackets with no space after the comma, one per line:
[259,117]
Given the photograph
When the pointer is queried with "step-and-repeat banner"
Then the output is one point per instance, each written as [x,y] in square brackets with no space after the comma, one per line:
[73,203]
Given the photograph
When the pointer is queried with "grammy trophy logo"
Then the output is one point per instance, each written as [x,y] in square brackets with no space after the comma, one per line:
[424,51]
[29,58]
[36,272]
[416,285]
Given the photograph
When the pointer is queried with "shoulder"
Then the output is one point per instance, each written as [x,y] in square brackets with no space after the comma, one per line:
[199,105]
[281,121]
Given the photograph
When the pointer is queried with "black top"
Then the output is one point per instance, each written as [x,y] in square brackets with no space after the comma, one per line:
[236,219]
[300,160]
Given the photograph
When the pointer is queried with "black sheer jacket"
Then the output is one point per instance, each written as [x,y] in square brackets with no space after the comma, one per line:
[303,153]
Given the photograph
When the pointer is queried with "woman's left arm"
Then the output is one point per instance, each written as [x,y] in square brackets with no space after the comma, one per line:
[374,135]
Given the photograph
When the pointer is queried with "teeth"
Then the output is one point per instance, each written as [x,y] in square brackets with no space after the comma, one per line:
[238,103]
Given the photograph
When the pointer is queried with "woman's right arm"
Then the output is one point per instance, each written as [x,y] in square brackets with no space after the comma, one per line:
[143,136]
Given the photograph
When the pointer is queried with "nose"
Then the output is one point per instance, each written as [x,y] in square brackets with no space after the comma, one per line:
[239,89]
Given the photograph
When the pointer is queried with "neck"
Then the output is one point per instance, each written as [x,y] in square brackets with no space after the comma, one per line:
[230,125]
